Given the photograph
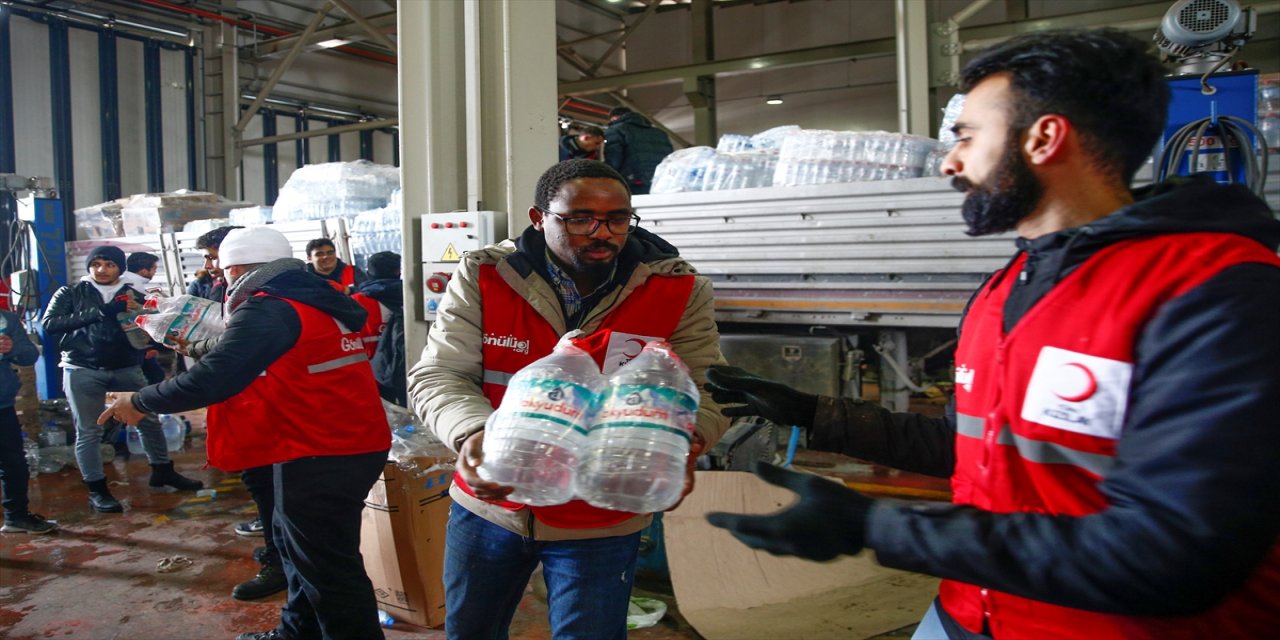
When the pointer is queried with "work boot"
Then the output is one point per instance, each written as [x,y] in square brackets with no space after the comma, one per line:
[100,498]
[270,580]
[27,523]
[163,475]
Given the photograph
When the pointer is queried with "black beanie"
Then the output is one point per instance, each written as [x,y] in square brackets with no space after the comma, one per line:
[106,252]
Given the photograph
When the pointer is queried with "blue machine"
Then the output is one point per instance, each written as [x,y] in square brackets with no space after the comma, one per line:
[1220,154]
[48,248]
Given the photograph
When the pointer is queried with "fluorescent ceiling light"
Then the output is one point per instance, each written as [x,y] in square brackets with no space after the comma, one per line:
[773,100]
[329,44]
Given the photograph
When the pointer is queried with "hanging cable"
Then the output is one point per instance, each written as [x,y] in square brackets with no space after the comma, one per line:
[1234,132]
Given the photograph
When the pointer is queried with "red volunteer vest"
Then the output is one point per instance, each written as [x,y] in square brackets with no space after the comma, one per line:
[379,315]
[515,335]
[318,399]
[1040,410]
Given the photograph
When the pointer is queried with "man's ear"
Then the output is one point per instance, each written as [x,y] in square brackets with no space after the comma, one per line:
[535,217]
[1046,139]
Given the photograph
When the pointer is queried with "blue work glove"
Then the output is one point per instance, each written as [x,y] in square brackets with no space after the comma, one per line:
[828,521]
[774,401]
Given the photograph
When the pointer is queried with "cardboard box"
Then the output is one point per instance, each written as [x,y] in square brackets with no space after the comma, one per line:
[729,591]
[402,540]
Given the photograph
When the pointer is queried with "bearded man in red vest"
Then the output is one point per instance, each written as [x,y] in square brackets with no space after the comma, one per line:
[1112,443]
[289,386]
[584,264]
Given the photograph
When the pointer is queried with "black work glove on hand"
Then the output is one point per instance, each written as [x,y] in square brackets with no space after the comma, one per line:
[828,521]
[117,306]
[758,396]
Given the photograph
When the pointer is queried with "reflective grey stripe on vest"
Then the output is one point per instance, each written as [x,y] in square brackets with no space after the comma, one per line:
[968,425]
[499,378]
[335,364]
[372,338]
[1038,451]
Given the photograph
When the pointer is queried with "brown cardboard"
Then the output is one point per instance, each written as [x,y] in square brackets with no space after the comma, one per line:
[402,540]
[729,591]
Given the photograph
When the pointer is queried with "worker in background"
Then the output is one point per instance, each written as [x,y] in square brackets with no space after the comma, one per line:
[383,297]
[270,578]
[1112,442]
[322,258]
[140,269]
[98,358]
[634,147]
[15,349]
[208,244]
[583,142]
[584,264]
[288,336]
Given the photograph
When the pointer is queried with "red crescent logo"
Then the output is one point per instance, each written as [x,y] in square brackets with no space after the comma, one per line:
[638,342]
[1090,387]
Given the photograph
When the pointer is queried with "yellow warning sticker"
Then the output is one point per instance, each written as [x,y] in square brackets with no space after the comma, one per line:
[450,254]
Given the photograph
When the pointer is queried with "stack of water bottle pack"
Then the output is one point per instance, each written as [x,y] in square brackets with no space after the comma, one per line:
[564,430]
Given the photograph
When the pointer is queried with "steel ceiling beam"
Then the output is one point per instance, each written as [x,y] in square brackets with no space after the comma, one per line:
[880,47]
[304,39]
[368,27]
[621,39]
[344,31]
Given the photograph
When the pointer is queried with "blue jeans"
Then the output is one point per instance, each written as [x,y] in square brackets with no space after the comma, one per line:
[87,394]
[487,567]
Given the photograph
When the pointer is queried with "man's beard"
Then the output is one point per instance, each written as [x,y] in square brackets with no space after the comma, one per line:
[593,268]
[1009,195]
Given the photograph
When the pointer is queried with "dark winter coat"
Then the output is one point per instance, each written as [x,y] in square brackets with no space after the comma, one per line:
[634,147]
[90,337]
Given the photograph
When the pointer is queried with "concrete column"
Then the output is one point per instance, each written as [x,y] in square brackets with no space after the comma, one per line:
[477,118]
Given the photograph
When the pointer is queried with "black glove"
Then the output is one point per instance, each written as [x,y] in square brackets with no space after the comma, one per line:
[758,396]
[117,306]
[829,520]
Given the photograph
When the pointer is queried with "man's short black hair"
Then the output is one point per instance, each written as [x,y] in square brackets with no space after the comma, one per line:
[591,130]
[139,260]
[317,243]
[618,112]
[555,177]
[213,239]
[1108,84]
[383,264]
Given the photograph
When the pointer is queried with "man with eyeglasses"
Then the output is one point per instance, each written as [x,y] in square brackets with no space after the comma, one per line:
[584,264]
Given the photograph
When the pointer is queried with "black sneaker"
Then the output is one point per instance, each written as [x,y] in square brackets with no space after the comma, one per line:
[270,580]
[250,528]
[27,523]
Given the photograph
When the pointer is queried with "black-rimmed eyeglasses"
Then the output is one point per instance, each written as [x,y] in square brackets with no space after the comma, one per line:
[619,222]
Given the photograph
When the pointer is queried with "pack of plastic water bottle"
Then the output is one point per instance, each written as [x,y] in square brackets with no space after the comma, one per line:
[535,439]
[638,445]
[563,430]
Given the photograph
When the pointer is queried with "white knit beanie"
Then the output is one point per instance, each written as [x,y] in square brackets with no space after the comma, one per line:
[253,246]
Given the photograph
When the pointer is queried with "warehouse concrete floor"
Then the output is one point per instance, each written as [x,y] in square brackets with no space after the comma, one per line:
[97,577]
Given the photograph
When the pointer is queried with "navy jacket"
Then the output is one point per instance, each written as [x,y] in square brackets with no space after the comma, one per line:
[23,354]
[634,147]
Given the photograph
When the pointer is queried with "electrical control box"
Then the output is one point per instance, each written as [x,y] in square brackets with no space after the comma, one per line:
[24,290]
[445,238]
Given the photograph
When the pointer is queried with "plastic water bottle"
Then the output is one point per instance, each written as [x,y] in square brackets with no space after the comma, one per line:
[133,438]
[385,618]
[53,436]
[534,440]
[174,430]
[639,441]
